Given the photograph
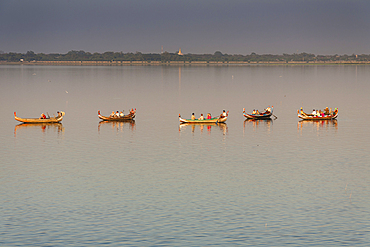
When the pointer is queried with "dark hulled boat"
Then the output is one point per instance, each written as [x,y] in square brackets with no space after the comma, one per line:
[263,115]
[128,117]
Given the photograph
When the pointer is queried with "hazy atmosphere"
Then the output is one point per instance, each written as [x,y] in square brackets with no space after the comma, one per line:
[289,167]
[233,27]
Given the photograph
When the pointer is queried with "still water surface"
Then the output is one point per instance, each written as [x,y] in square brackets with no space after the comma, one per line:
[153,182]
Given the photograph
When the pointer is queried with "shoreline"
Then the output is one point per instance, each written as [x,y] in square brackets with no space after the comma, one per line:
[181,63]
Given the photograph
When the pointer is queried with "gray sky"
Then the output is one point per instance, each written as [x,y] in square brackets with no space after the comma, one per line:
[195,26]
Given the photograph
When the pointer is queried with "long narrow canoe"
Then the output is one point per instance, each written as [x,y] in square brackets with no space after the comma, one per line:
[199,124]
[196,121]
[128,117]
[37,120]
[311,117]
[262,115]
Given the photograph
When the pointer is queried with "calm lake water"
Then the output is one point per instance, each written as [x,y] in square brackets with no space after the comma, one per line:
[154,182]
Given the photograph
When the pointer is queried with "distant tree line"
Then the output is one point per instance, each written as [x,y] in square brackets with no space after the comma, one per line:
[166,56]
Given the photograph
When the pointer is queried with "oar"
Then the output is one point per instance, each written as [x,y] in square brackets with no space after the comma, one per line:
[274,116]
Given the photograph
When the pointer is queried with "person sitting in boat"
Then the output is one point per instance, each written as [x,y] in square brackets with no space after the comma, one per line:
[192,116]
[121,114]
[112,114]
[267,110]
[209,116]
[326,111]
[132,112]
[117,114]
[201,117]
[42,116]
[313,112]
[254,111]
[223,114]
[257,112]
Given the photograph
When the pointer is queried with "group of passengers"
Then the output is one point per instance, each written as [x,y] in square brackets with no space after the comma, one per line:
[43,116]
[119,114]
[325,112]
[266,111]
[201,116]
[255,112]
[319,113]
[223,114]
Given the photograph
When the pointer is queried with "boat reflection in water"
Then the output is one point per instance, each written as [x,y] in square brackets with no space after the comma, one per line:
[204,127]
[265,123]
[44,127]
[117,126]
[318,125]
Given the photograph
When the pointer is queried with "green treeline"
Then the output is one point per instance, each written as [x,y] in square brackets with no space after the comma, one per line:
[166,56]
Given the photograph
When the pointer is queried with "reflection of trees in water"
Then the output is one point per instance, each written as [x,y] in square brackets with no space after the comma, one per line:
[204,127]
[44,127]
[118,125]
[318,125]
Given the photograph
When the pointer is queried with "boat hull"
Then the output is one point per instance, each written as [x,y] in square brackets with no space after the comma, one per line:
[310,117]
[205,121]
[117,119]
[316,118]
[259,116]
[38,121]
[250,116]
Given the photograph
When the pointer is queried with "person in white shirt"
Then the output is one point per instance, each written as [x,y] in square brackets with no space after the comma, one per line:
[223,114]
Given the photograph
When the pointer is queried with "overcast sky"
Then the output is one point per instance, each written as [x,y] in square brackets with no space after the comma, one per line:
[195,26]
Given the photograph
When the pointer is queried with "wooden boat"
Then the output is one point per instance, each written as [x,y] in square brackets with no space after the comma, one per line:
[306,116]
[201,124]
[128,117]
[38,120]
[262,115]
[205,121]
